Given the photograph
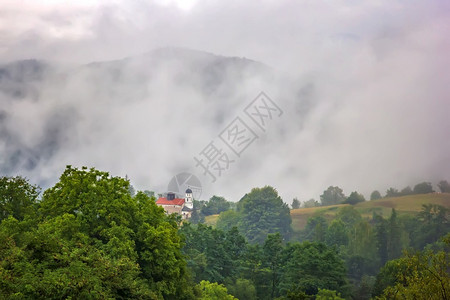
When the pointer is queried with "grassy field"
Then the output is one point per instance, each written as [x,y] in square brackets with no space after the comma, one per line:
[406,204]
[211,220]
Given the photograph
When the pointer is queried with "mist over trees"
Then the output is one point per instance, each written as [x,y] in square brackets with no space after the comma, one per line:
[295,203]
[89,237]
[444,186]
[331,196]
[354,198]
[375,195]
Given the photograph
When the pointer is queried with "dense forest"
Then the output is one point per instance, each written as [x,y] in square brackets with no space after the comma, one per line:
[90,236]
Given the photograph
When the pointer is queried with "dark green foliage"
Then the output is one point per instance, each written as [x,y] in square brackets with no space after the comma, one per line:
[375,195]
[88,238]
[394,237]
[415,275]
[263,212]
[272,258]
[131,190]
[392,192]
[228,219]
[197,216]
[213,254]
[18,198]
[296,294]
[310,266]
[325,294]
[434,223]
[331,196]
[336,234]
[215,205]
[363,289]
[423,188]
[354,198]
[381,231]
[406,191]
[213,291]
[92,240]
[242,289]
[311,203]
[150,194]
[349,216]
[252,268]
[387,276]
[295,203]
[444,186]
[315,230]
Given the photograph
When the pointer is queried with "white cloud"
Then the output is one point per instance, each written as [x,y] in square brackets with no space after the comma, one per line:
[374,78]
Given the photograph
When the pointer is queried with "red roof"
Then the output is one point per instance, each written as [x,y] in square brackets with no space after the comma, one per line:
[164,201]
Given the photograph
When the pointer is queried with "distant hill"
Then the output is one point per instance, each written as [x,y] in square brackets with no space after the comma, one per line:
[51,110]
[404,205]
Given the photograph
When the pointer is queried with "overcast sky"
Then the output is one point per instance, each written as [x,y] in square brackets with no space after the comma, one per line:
[378,74]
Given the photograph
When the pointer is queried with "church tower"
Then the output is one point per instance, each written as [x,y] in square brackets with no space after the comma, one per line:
[189,202]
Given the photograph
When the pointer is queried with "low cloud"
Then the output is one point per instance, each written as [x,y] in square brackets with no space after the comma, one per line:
[363,87]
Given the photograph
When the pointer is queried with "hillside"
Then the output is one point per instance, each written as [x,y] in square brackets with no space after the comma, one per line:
[81,109]
[405,204]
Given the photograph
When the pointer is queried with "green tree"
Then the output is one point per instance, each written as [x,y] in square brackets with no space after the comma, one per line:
[392,192]
[93,240]
[381,233]
[295,203]
[272,253]
[215,205]
[253,269]
[336,234]
[361,253]
[243,289]
[434,221]
[394,237]
[311,203]
[228,219]
[315,229]
[349,216]
[325,294]
[375,195]
[424,275]
[406,191]
[311,266]
[197,217]
[18,198]
[331,196]
[387,276]
[264,212]
[354,198]
[213,255]
[150,194]
[423,188]
[444,186]
[296,294]
[213,291]
[363,289]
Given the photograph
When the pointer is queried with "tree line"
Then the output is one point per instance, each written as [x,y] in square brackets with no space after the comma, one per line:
[91,236]
[335,195]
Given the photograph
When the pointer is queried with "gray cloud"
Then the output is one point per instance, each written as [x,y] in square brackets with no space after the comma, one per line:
[364,89]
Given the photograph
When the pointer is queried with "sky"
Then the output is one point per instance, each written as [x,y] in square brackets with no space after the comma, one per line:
[363,85]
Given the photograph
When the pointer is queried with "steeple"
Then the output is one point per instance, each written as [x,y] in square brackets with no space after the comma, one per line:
[189,201]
